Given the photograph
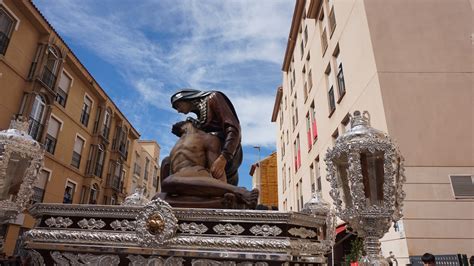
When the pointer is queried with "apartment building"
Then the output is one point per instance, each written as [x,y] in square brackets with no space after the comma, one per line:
[85,136]
[409,63]
[146,168]
[264,177]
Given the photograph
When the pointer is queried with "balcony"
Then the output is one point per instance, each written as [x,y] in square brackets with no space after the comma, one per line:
[114,183]
[48,78]
[61,97]
[76,159]
[35,129]
[4,40]
[50,144]
[105,132]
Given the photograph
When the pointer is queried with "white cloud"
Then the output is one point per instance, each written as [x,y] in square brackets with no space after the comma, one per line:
[160,46]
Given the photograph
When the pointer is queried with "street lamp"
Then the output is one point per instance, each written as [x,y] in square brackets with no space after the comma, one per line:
[21,159]
[366,174]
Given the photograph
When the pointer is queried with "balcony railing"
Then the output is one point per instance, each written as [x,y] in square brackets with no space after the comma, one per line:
[4,40]
[84,118]
[76,159]
[48,78]
[61,97]
[35,129]
[50,144]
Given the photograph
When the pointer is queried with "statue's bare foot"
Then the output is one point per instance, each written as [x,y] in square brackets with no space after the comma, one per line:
[249,198]
[229,201]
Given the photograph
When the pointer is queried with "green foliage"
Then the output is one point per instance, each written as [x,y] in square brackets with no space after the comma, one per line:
[356,252]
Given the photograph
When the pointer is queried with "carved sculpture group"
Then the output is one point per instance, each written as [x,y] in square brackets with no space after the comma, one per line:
[202,168]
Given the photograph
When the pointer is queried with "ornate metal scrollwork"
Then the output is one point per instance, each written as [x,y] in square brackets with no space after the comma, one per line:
[58,222]
[192,228]
[124,225]
[138,260]
[302,232]
[91,224]
[265,230]
[156,223]
[228,229]
[67,258]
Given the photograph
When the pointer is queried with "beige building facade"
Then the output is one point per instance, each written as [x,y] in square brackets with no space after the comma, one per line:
[264,178]
[409,63]
[85,136]
[146,168]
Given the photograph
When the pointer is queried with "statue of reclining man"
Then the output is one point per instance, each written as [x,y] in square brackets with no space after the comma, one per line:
[190,183]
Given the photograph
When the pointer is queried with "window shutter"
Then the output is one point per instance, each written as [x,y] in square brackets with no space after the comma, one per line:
[78,145]
[64,82]
[53,127]
[463,186]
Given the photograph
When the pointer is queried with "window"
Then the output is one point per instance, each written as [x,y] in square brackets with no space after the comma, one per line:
[463,186]
[324,41]
[52,134]
[6,27]
[155,176]
[297,152]
[136,167]
[114,178]
[69,192]
[297,196]
[346,125]
[283,173]
[106,124]
[94,194]
[51,67]
[335,135]
[308,131]
[311,178]
[76,154]
[39,186]
[332,21]
[310,80]
[302,49]
[99,161]
[314,127]
[317,170]
[63,89]
[341,84]
[147,163]
[36,117]
[86,109]
[301,200]
[329,84]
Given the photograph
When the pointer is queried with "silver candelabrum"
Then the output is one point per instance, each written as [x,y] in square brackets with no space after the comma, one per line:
[366,173]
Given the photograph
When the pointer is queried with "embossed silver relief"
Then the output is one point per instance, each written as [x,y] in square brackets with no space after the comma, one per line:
[193,228]
[208,262]
[124,225]
[138,260]
[67,258]
[156,223]
[58,222]
[35,258]
[265,230]
[228,229]
[302,232]
[91,224]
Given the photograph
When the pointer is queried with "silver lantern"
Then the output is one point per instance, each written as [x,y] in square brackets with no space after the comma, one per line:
[21,158]
[366,174]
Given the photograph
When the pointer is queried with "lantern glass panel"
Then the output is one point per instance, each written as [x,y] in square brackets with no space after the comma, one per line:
[342,167]
[16,170]
[372,166]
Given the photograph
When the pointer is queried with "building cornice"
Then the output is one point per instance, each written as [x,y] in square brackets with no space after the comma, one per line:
[295,24]
[276,106]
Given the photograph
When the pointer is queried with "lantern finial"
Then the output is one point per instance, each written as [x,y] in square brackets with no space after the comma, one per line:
[360,119]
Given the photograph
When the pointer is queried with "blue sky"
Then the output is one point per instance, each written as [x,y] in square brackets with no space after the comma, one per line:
[141,52]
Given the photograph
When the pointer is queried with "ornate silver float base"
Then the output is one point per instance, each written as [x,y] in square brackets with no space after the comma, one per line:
[157,234]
